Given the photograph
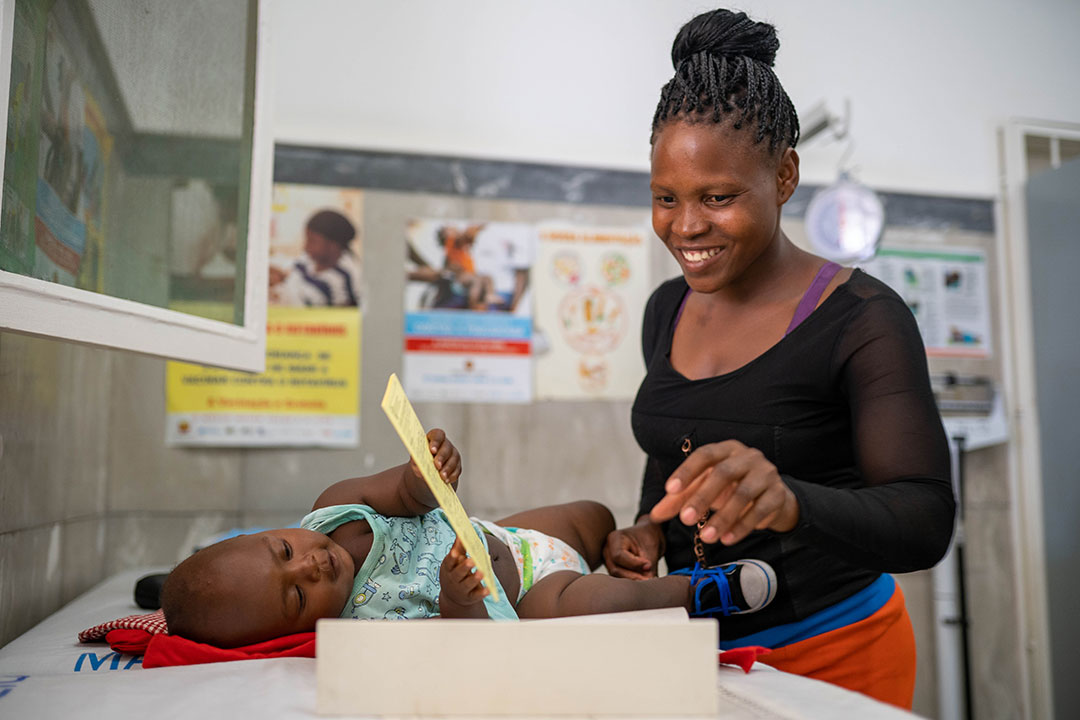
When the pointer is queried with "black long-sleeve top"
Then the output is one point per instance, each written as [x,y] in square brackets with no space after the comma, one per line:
[843,407]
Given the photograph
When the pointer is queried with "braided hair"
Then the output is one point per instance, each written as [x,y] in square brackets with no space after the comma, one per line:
[723,70]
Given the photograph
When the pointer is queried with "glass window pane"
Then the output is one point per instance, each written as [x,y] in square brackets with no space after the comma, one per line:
[129,149]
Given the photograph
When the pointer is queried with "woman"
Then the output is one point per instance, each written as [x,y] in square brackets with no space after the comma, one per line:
[786,410]
[327,274]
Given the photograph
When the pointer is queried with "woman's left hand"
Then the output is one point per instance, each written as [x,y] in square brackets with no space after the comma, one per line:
[741,487]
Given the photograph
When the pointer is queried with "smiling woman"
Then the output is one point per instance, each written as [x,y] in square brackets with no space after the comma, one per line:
[716,203]
[786,410]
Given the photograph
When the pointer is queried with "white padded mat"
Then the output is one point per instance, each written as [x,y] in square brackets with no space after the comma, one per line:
[52,648]
[46,673]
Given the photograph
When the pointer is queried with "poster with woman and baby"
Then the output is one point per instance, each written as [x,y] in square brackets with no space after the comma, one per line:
[309,394]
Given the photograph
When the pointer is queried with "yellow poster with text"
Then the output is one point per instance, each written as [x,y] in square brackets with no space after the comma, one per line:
[309,394]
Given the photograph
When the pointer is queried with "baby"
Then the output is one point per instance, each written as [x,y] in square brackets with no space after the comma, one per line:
[378,547]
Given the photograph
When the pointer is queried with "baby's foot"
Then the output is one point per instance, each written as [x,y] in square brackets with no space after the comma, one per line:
[740,587]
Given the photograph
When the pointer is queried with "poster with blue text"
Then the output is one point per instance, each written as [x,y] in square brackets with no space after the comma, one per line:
[468,311]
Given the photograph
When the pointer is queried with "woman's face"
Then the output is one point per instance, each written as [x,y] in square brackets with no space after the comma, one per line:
[323,251]
[716,200]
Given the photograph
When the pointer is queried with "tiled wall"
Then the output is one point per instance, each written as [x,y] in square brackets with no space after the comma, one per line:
[161,500]
[86,486]
[52,493]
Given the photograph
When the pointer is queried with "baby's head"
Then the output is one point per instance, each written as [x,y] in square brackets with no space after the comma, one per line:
[253,588]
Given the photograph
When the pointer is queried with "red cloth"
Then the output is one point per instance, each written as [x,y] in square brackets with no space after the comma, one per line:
[148,635]
[128,641]
[744,657]
[149,623]
[164,650]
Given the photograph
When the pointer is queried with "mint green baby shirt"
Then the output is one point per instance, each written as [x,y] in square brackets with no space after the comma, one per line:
[400,577]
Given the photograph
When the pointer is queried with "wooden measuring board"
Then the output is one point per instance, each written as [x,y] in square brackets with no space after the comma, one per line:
[540,668]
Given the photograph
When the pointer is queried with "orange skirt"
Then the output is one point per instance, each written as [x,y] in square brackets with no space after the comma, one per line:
[874,656]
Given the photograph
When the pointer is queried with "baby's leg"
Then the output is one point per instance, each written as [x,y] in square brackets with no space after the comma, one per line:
[583,525]
[570,593]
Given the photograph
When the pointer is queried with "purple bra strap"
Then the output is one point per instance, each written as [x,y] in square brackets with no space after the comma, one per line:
[682,306]
[813,294]
[806,305]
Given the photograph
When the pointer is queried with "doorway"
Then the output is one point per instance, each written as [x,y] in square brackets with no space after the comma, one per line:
[1041,238]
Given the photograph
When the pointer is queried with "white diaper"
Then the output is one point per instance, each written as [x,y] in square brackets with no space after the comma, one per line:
[536,555]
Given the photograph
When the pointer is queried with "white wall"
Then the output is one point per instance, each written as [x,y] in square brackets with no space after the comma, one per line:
[576,81]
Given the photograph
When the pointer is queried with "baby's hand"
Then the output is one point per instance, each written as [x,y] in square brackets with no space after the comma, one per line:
[460,586]
[446,456]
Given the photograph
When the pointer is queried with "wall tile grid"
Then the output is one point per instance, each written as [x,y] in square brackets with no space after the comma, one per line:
[52,494]
[51,390]
[86,486]
[144,475]
[30,577]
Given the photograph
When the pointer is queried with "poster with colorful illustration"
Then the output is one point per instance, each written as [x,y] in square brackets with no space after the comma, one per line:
[948,291]
[468,311]
[17,245]
[591,288]
[73,153]
[58,149]
[309,394]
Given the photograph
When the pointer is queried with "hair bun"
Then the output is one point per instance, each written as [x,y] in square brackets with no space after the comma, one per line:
[725,33]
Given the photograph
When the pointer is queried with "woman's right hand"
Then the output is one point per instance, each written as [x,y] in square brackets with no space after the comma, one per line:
[634,552]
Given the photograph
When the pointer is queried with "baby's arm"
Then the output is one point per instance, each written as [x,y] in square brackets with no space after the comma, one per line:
[461,595]
[399,491]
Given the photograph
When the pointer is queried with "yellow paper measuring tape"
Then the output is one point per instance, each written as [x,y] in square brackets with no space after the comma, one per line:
[402,416]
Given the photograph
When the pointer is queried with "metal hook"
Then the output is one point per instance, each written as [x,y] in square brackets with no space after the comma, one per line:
[841,164]
[841,125]
[843,133]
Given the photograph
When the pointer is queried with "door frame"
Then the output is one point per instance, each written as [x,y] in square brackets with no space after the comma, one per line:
[1023,452]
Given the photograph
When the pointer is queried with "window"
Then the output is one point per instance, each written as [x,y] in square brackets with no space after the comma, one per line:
[136,175]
